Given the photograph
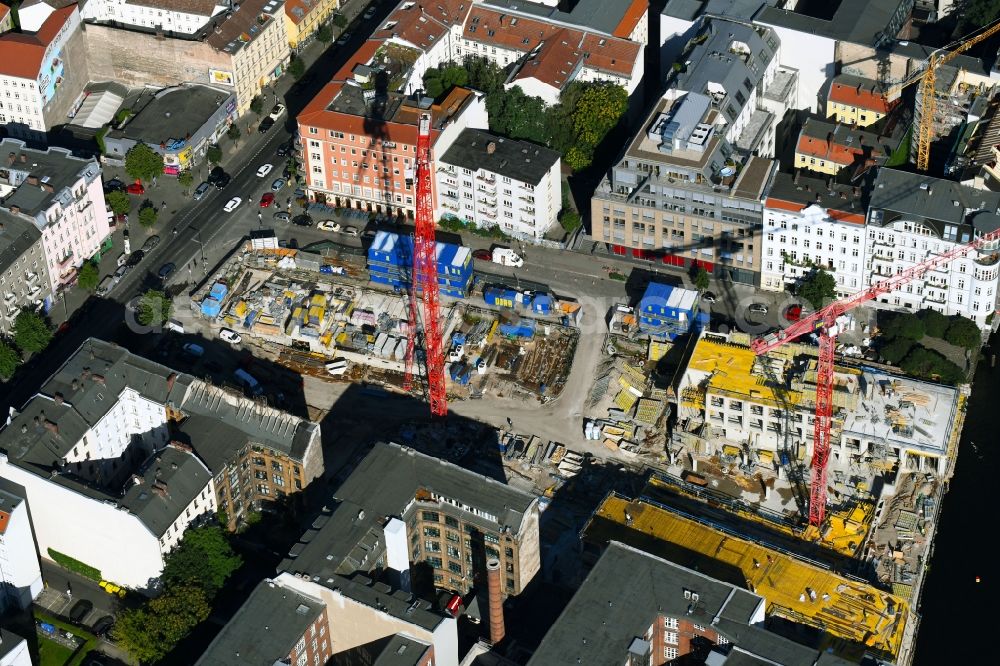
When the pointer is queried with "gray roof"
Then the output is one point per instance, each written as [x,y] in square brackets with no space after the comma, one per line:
[756,646]
[806,190]
[400,605]
[858,21]
[171,479]
[17,236]
[382,486]
[689,10]
[265,629]
[173,114]
[933,201]
[518,160]
[623,595]
[401,651]
[712,62]
[9,641]
[598,15]
[56,167]
[922,53]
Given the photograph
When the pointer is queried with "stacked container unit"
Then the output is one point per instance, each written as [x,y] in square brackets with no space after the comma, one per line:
[390,262]
[666,312]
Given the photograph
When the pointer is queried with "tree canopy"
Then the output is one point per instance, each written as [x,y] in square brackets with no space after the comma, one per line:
[143,163]
[214,154]
[964,332]
[154,308]
[438,81]
[257,104]
[185,179]
[150,632]
[233,132]
[297,68]
[818,288]
[935,323]
[31,331]
[928,364]
[701,279]
[895,350]
[902,324]
[203,558]
[324,34]
[89,276]
[10,360]
[147,216]
[120,202]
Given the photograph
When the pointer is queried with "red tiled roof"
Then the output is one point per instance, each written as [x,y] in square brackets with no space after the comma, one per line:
[21,53]
[860,96]
[781,204]
[632,16]
[4,11]
[4,519]
[423,23]
[615,55]
[832,152]
[795,207]
[305,6]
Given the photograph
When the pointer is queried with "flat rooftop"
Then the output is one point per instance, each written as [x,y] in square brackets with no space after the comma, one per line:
[795,589]
[173,114]
[520,160]
[802,190]
[858,21]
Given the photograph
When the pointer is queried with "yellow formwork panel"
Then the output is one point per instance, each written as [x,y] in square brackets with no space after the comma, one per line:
[731,370]
[658,350]
[803,592]
[626,400]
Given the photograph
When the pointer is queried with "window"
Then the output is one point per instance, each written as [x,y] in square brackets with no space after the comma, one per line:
[669,652]
[435,562]
[432,532]
[670,622]
[670,637]
[431,516]
[455,568]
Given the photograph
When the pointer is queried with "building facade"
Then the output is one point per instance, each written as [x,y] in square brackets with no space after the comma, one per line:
[304,17]
[168,16]
[810,223]
[24,274]
[43,69]
[243,50]
[912,218]
[14,649]
[856,101]
[20,572]
[490,181]
[63,196]
[689,188]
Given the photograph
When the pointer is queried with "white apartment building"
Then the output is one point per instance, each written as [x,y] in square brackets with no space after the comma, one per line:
[808,225]
[40,73]
[913,217]
[63,196]
[13,649]
[24,276]
[492,181]
[186,16]
[20,572]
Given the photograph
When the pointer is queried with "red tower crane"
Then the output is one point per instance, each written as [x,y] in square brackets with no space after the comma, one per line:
[423,279]
[824,321]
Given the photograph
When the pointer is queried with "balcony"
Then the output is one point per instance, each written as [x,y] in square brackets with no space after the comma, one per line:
[9,297]
[486,179]
[30,277]
[529,211]
[989,260]
[935,298]
[447,169]
[34,290]
[449,205]
[486,201]
[490,214]
[65,261]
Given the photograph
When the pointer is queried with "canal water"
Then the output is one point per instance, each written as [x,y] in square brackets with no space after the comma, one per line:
[959,603]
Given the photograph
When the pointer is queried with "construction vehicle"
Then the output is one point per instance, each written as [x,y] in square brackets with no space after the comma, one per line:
[424,281]
[824,322]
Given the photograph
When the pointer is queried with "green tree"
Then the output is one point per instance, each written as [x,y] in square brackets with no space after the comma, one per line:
[484,74]
[928,364]
[896,350]
[340,21]
[570,220]
[185,179]
[203,558]
[233,132]
[297,68]
[31,332]
[150,632]
[964,333]
[433,86]
[147,216]
[902,325]
[89,276]
[935,323]
[10,360]
[818,288]
[257,104]
[143,163]
[597,111]
[154,308]
[701,279]
[514,114]
[324,34]
[120,202]
[214,154]
[978,13]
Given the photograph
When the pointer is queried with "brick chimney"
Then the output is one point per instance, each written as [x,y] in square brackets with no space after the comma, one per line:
[495,591]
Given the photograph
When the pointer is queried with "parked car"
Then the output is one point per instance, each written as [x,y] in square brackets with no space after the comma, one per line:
[150,243]
[507,257]
[369,13]
[282,150]
[277,111]
[232,204]
[105,286]
[282,216]
[351,231]
[166,269]
[264,169]
[80,610]
[136,188]
[201,190]
[120,273]
[265,125]
[223,181]
[278,184]
[758,308]
[302,220]
[230,336]
[482,255]
[266,199]
[793,313]
[344,38]
[103,626]
[135,258]
[193,350]
[328,225]
[708,297]
[215,174]
[114,185]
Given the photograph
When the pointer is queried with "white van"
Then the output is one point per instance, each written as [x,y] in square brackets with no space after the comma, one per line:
[174,325]
[122,258]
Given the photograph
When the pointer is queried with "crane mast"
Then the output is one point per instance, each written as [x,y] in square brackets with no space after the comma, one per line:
[824,322]
[424,280]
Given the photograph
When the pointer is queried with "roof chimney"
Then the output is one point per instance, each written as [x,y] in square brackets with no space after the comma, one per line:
[171,378]
[495,592]
[24,158]
[98,378]
[52,427]
[491,148]
[11,157]
[32,179]
[58,398]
